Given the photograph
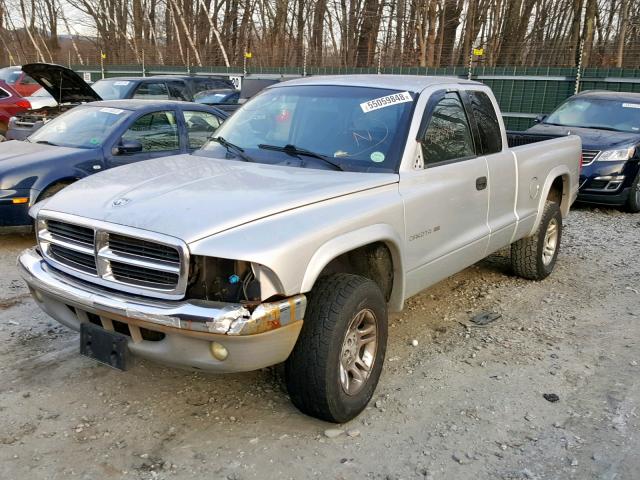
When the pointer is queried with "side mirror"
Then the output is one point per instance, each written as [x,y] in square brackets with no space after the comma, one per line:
[540,118]
[127,147]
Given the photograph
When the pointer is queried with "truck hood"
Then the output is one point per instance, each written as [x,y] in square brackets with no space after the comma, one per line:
[23,160]
[192,197]
[592,139]
[65,85]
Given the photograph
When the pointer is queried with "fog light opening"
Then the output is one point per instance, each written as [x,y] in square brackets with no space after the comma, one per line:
[219,351]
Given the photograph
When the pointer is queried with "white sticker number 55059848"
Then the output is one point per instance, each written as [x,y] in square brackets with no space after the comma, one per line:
[376,103]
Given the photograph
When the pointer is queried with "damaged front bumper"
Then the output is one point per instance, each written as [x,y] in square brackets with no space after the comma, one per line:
[253,337]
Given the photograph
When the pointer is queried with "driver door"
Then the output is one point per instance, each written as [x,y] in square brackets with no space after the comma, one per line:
[446,196]
[157,134]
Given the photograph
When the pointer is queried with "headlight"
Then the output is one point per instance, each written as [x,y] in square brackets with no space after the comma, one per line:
[616,155]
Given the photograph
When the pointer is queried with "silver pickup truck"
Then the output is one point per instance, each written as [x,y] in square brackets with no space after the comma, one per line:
[318,208]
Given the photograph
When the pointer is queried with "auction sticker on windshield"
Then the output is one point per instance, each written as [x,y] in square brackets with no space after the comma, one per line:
[113,111]
[631,105]
[376,103]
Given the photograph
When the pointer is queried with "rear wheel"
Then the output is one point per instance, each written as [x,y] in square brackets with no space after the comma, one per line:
[535,257]
[336,363]
[633,202]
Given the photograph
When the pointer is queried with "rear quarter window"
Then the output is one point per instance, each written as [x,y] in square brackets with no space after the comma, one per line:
[487,121]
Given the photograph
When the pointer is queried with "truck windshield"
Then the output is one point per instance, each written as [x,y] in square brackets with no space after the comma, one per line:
[112,89]
[80,127]
[605,114]
[357,128]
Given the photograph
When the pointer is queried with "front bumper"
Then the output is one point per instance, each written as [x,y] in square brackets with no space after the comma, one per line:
[14,216]
[607,183]
[184,332]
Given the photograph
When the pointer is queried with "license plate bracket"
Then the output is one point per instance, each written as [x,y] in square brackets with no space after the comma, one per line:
[104,346]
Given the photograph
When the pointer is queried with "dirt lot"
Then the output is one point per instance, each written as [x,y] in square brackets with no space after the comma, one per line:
[466,402]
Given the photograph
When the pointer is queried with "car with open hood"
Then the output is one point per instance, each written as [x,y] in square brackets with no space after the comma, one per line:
[67,90]
[92,138]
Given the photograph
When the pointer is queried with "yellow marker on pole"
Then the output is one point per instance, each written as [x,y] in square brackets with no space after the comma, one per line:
[248,55]
[478,52]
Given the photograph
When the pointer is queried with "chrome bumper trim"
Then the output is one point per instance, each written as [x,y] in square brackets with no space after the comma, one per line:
[193,315]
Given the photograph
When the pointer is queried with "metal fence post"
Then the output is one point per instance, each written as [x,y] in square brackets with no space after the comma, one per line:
[304,61]
[579,72]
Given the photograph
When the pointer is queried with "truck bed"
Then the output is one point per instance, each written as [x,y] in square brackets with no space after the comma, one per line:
[518,138]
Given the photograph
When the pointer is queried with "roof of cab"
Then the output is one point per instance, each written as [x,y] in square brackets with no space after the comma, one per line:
[413,83]
[610,95]
[135,104]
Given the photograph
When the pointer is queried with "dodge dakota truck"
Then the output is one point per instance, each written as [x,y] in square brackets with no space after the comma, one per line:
[319,207]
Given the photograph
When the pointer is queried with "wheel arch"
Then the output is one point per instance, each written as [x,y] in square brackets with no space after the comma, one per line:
[37,192]
[369,245]
[557,187]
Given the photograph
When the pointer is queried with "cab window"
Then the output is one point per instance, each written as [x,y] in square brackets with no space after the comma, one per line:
[200,127]
[447,136]
[178,91]
[152,91]
[487,121]
[157,132]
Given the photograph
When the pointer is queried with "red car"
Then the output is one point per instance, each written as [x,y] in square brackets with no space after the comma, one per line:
[20,81]
[11,103]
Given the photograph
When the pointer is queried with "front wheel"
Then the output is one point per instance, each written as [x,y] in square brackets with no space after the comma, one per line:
[633,202]
[535,257]
[336,363]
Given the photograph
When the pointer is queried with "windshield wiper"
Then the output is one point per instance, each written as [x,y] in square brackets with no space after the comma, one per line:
[293,150]
[47,142]
[599,127]
[239,151]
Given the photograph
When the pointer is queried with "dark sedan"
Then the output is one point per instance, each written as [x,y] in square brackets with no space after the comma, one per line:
[91,138]
[609,125]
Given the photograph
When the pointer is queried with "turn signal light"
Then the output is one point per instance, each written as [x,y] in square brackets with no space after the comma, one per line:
[19,200]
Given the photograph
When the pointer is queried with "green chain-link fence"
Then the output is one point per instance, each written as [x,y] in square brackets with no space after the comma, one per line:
[522,92]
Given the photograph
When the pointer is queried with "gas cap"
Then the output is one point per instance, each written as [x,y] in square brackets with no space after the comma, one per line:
[534,188]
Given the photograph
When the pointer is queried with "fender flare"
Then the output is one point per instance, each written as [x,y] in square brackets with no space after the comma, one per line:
[563,172]
[356,239]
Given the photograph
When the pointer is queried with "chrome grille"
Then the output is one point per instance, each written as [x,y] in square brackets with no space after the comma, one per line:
[73,233]
[588,156]
[125,272]
[73,258]
[117,257]
[142,248]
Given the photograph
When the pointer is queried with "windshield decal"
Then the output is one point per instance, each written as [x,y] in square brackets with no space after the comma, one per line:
[631,105]
[121,83]
[377,157]
[376,103]
[113,111]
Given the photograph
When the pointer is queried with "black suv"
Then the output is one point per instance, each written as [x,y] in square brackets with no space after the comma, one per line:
[158,87]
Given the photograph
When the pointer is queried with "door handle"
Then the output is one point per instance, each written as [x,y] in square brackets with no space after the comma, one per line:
[481,183]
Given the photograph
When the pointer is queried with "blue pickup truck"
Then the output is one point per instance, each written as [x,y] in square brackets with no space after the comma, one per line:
[91,138]
[609,125]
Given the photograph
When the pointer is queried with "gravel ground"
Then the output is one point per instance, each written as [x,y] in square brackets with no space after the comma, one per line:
[455,401]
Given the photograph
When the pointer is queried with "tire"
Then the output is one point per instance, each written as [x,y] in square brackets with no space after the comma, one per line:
[51,190]
[633,202]
[316,379]
[535,257]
